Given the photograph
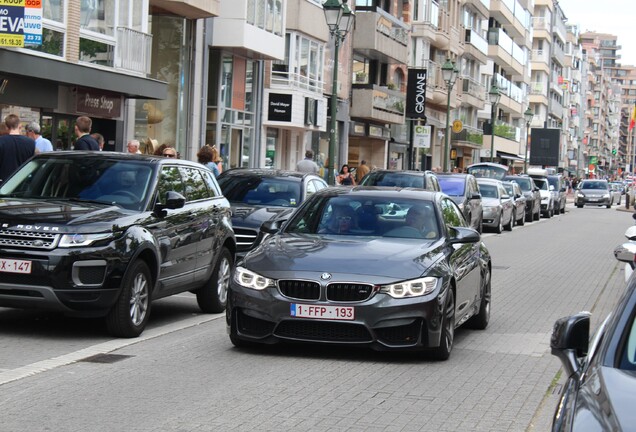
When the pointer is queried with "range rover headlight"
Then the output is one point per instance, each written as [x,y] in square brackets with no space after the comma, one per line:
[249,279]
[79,240]
[411,288]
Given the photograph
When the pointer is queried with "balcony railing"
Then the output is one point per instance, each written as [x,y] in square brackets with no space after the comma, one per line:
[508,131]
[496,36]
[281,77]
[538,88]
[540,23]
[509,89]
[474,88]
[539,55]
[469,134]
[132,51]
[475,39]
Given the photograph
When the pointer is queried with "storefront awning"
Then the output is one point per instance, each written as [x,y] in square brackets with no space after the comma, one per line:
[509,156]
[35,67]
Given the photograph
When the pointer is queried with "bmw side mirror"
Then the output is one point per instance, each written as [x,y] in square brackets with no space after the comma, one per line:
[570,341]
[460,235]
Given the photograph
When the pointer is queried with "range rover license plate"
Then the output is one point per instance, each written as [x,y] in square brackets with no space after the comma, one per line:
[15,266]
[322,312]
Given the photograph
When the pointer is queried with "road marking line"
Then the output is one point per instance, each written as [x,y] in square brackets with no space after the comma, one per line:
[7,376]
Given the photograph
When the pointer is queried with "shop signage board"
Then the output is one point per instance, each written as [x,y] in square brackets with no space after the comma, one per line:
[280,107]
[422,137]
[98,103]
[20,23]
[416,93]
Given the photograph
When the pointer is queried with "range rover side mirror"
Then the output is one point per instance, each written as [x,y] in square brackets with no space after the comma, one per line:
[174,200]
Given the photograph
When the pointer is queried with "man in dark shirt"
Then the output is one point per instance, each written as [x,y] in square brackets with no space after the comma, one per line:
[15,149]
[82,130]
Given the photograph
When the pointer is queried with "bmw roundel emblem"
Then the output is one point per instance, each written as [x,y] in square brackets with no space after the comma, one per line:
[325,276]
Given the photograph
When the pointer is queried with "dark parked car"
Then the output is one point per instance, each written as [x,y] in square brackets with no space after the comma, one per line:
[367,266]
[103,234]
[593,192]
[600,391]
[532,194]
[415,179]
[519,202]
[463,189]
[259,195]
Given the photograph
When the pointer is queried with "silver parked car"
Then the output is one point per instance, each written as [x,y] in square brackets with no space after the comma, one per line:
[519,200]
[497,205]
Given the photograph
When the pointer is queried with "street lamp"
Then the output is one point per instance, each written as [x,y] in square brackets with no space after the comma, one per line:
[494,96]
[528,114]
[340,22]
[449,73]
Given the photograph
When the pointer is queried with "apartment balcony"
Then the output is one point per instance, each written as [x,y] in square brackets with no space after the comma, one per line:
[540,60]
[556,110]
[560,30]
[538,93]
[482,6]
[468,137]
[191,9]
[378,103]
[281,78]
[511,95]
[541,28]
[558,55]
[436,91]
[476,46]
[505,52]
[473,92]
[240,31]
[133,51]
[511,15]
[380,36]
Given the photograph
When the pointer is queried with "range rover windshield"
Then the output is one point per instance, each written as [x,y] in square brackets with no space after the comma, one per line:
[108,181]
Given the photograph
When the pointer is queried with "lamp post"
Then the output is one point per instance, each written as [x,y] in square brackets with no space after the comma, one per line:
[449,73]
[494,96]
[340,21]
[528,114]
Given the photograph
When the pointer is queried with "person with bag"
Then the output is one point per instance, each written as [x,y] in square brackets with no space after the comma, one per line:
[345,178]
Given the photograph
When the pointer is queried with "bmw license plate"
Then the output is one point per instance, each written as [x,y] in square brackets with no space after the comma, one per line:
[322,312]
[15,266]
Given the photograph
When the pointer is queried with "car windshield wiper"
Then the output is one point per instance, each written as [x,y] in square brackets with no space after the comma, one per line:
[90,201]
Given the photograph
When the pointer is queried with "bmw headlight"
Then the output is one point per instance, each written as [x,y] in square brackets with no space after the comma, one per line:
[249,279]
[78,240]
[411,288]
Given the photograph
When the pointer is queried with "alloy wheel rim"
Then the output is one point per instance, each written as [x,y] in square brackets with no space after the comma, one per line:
[223,280]
[139,299]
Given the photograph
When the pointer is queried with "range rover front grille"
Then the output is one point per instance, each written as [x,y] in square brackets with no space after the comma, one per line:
[28,240]
[245,238]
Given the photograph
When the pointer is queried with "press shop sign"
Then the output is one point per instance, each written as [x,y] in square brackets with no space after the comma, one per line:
[20,23]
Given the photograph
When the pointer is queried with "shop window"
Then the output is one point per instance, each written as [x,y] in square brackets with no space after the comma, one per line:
[52,43]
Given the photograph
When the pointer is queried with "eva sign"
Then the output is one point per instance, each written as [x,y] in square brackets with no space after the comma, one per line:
[422,137]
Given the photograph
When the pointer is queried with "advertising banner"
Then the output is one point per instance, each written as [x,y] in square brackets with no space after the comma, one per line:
[416,94]
[544,146]
[422,137]
[20,23]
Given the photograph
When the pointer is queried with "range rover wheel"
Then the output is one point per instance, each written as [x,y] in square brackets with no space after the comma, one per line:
[129,315]
[442,352]
[212,297]
[480,321]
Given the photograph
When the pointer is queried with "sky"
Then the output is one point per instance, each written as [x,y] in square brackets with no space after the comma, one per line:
[617,17]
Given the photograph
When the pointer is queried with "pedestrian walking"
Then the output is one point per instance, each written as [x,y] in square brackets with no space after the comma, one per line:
[363,169]
[100,140]
[15,148]
[308,165]
[42,144]
[84,140]
[345,178]
[205,157]
[133,146]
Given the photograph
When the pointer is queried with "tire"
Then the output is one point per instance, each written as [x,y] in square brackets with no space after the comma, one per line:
[129,315]
[508,226]
[579,206]
[481,320]
[537,215]
[442,352]
[522,220]
[609,205]
[212,297]
[499,227]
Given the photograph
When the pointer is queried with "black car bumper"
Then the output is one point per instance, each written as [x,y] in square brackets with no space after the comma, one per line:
[381,322]
[82,282]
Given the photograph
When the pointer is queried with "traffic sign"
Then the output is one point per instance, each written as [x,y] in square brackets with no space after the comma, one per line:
[458,126]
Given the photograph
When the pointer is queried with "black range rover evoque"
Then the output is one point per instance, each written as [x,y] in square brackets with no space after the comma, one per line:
[103,234]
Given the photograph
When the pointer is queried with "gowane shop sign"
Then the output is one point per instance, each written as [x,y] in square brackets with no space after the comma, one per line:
[416,93]
[98,103]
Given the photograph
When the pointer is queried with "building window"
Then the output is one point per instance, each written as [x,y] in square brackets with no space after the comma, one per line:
[266,15]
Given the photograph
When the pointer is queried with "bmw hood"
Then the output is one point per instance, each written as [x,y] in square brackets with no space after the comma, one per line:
[245,216]
[346,258]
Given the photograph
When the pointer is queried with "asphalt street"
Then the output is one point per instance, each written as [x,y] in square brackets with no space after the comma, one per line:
[59,374]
